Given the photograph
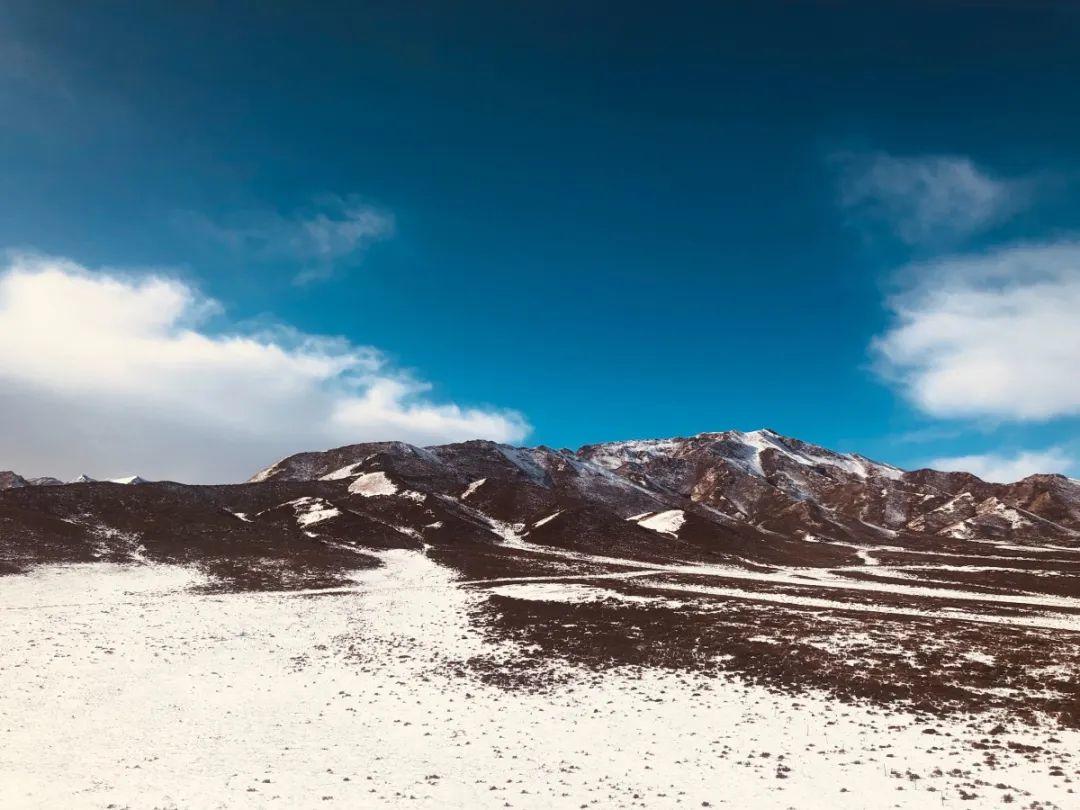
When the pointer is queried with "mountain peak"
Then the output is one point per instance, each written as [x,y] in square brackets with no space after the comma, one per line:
[11,480]
[129,479]
[745,450]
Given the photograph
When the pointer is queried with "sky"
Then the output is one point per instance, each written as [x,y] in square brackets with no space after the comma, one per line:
[232,231]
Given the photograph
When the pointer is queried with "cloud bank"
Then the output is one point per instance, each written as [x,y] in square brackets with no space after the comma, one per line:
[994,335]
[933,200]
[111,374]
[1006,469]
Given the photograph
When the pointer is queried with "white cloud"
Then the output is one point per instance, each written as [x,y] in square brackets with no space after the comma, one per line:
[113,374]
[1006,469]
[318,236]
[931,199]
[993,335]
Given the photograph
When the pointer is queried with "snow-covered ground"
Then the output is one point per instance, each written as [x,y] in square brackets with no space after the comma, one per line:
[123,687]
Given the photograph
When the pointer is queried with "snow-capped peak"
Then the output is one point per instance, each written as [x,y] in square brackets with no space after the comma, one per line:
[613,455]
[128,479]
[744,450]
[811,455]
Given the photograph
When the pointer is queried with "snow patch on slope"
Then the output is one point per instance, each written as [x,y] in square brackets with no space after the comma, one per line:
[569,592]
[548,519]
[263,475]
[348,471]
[668,522]
[1007,513]
[471,488]
[313,510]
[371,484]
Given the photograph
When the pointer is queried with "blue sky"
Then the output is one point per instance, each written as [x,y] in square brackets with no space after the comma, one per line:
[544,223]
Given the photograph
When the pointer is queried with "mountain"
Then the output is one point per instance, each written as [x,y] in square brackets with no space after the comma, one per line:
[45,481]
[755,483]
[11,480]
[753,498]
[730,498]
[768,555]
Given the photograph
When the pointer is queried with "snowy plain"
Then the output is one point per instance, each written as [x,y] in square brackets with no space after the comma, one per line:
[130,686]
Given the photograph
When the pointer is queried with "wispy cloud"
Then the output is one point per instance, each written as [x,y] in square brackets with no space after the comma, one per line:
[1006,469]
[319,237]
[927,200]
[993,335]
[932,433]
[108,373]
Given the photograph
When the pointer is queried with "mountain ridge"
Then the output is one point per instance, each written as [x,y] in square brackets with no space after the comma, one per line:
[755,498]
[11,480]
[758,483]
